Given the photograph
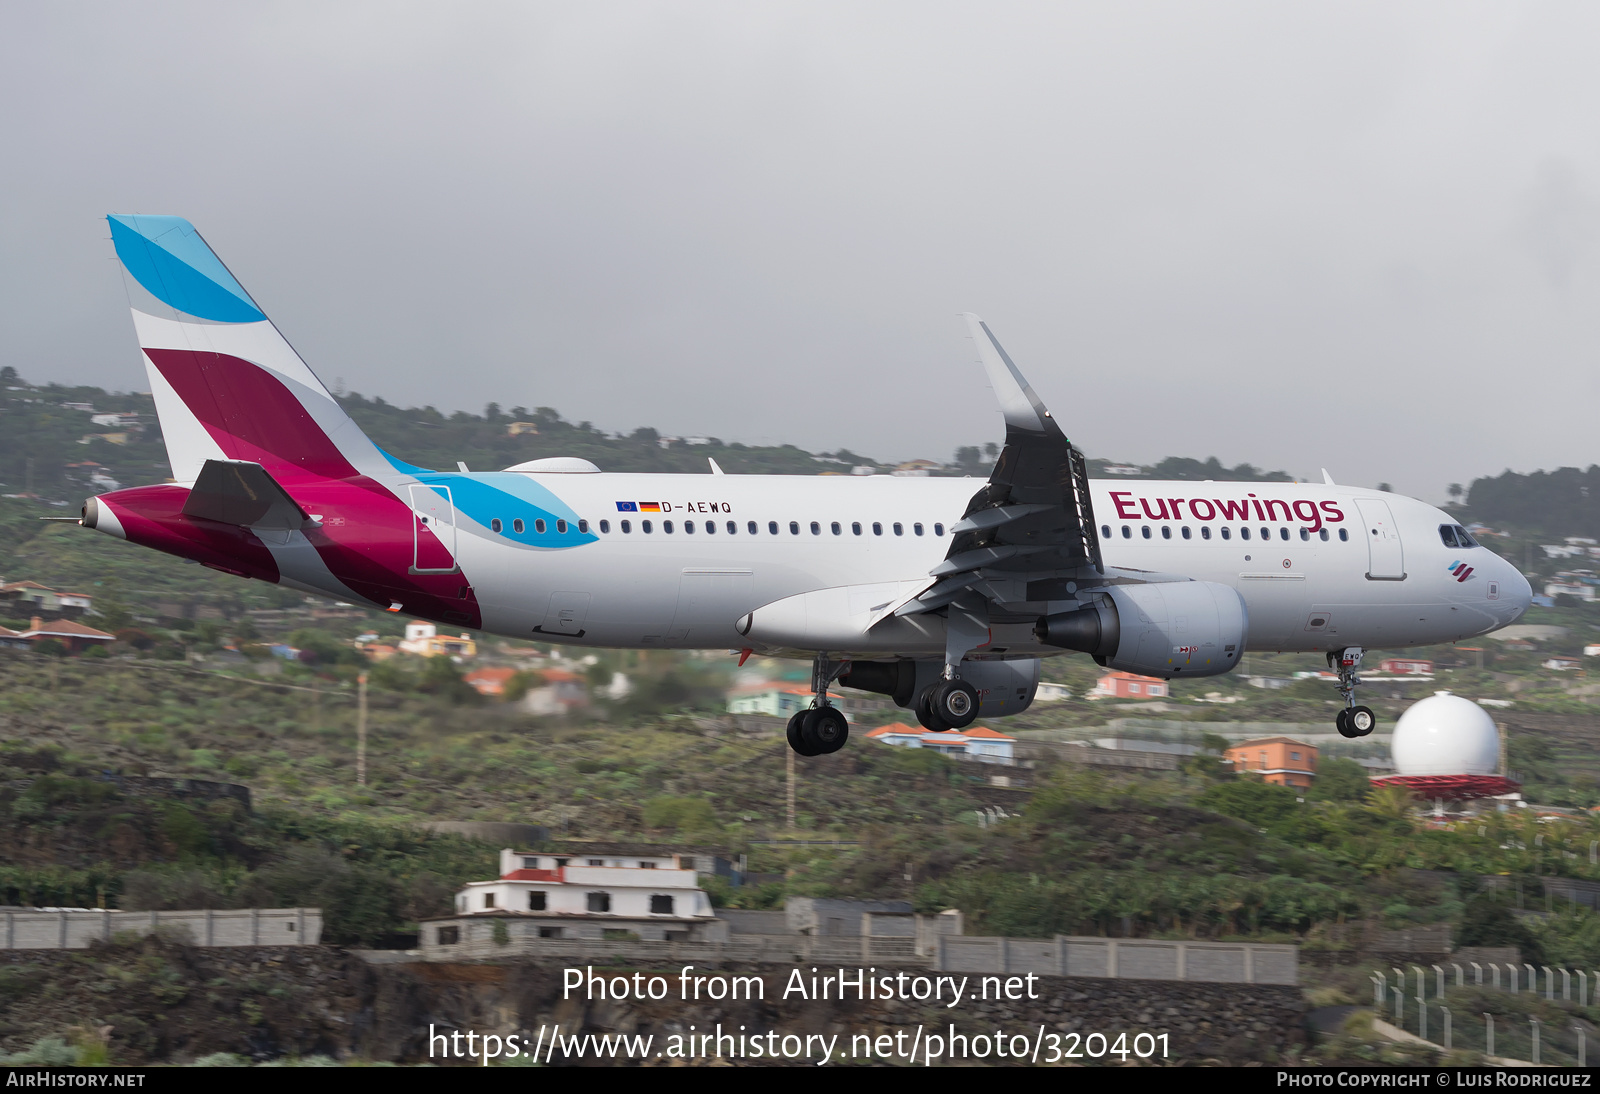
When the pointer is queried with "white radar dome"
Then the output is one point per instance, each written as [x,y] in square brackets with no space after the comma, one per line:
[1445,734]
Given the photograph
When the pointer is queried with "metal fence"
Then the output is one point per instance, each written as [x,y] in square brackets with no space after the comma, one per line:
[1416,1003]
[1122,958]
[76,928]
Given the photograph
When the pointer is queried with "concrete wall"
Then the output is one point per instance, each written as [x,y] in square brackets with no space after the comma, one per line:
[1117,958]
[819,916]
[75,929]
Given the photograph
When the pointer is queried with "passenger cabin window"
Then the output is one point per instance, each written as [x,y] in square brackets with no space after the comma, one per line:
[917,528]
[1324,535]
[1244,533]
[899,530]
[538,525]
[1127,533]
[1186,533]
[877,528]
[1144,530]
[855,527]
[1166,532]
[1205,531]
[794,528]
[495,525]
[834,528]
[1305,534]
[561,526]
[1105,531]
[688,527]
[733,527]
[666,526]
[772,528]
[1226,532]
[627,527]
[1283,533]
[751,527]
[938,529]
[816,528]
[1344,535]
[711,527]
[583,526]
[605,527]
[517,526]
[644,526]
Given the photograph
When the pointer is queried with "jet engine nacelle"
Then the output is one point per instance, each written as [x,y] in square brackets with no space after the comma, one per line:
[1165,629]
[1004,687]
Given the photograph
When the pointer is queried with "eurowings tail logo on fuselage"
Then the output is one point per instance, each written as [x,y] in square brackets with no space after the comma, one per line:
[1461,570]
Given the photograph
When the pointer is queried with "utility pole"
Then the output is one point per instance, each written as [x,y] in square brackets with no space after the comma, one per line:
[361,730]
[789,797]
[29,488]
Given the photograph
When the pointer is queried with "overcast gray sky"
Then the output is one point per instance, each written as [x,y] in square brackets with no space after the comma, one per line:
[1304,235]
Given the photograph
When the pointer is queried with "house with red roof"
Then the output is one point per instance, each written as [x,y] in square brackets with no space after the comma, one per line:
[490,681]
[974,743]
[1128,685]
[74,635]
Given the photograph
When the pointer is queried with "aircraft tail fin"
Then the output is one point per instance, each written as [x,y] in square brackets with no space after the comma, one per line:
[227,385]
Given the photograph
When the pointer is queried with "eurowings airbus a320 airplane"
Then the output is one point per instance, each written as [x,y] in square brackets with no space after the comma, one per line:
[939,593]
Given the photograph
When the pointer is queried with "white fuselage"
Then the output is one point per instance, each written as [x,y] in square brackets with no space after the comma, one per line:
[1319,567]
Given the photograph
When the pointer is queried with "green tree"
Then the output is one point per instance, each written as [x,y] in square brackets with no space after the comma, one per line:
[1488,920]
[1340,780]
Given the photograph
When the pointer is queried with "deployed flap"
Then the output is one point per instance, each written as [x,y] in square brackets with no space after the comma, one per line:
[242,493]
[1034,518]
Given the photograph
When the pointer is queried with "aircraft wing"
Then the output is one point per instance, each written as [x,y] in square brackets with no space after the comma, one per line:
[1028,536]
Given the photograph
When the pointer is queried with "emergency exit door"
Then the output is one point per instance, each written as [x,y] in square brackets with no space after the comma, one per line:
[433,530]
[1385,556]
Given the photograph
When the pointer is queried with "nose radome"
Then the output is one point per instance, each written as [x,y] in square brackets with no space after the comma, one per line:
[1515,592]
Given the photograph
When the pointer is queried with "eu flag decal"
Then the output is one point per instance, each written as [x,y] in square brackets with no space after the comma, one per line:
[627,507]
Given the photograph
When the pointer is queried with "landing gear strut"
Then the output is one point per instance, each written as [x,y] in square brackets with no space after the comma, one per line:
[821,728]
[1353,720]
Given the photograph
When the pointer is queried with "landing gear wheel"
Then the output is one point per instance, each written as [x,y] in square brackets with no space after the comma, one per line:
[954,702]
[1342,721]
[1361,721]
[825,730]
[796,734]
[927,716]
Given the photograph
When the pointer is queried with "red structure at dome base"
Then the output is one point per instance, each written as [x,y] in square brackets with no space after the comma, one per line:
[1451,787]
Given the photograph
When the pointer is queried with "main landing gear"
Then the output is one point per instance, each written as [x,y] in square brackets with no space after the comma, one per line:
[822,728]
[1353,720]
[949,704]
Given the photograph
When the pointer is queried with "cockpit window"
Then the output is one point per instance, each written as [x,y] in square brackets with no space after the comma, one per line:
[1453,535]
[1464,538]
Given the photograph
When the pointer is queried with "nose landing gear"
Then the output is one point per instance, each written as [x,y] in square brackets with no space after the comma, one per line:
[822,728]
[1354,720]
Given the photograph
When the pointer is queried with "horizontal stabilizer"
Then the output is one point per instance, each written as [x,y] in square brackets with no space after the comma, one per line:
[242,493]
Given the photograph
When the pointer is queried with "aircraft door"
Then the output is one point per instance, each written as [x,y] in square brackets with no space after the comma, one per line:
[1385,556]
[433,530]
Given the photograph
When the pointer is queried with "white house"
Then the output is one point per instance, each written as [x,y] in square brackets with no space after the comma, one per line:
[587,896]
[977,743]
[1051,693]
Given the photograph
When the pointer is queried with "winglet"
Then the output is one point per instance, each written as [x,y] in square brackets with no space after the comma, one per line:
[715,470]
[1327,479]
[1021,407]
